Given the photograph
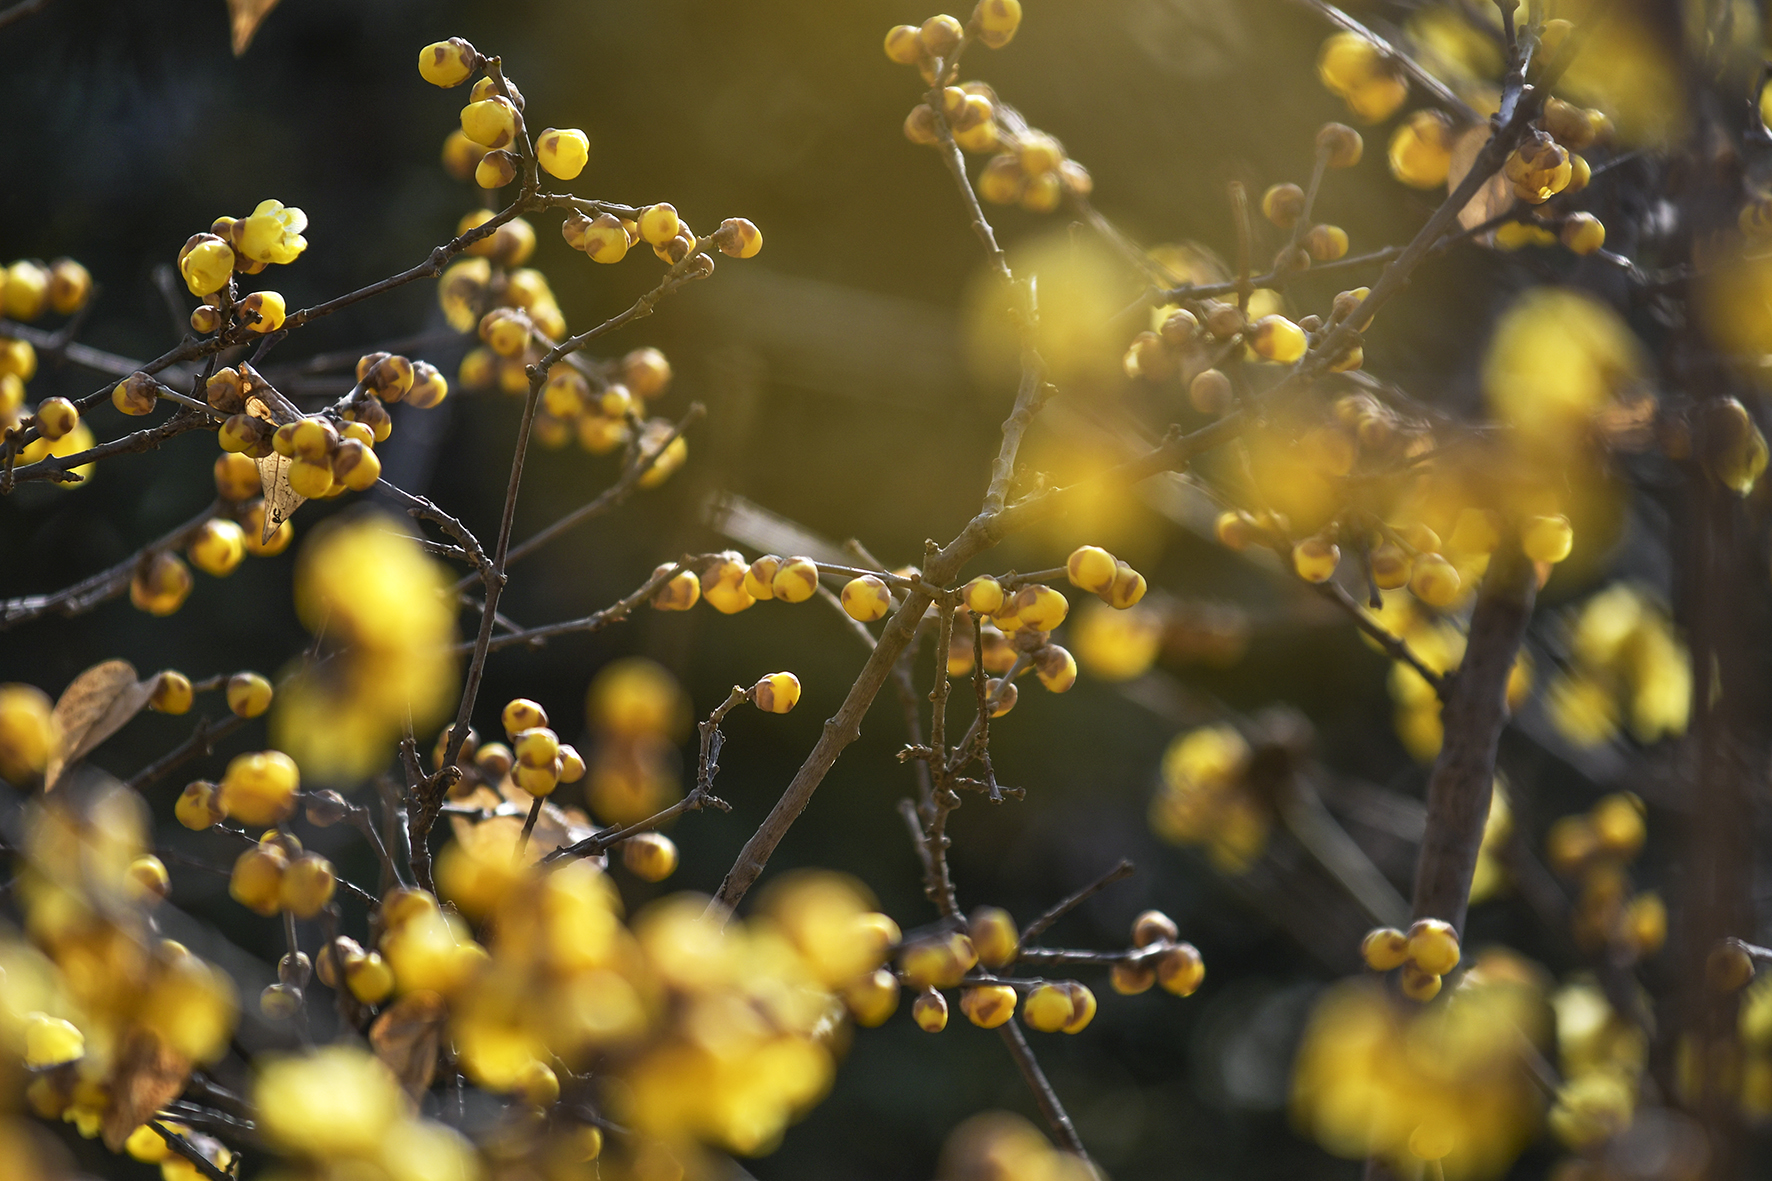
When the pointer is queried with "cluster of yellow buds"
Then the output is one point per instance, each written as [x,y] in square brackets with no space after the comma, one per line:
[1205,798]
[161,581]
[1425,953]
[1028,167]
[29,287]
[1364,74]
[607,238]
[1447,1083]
[60,429]
[929,45]
[1162,958]
[1595,850]
[721,1032]
[1601,1055]
[729,585]
[272,233]
[276,876]
[511,307]
[492,122]
[1626,668]
[637,713]
[601,404]
[1186,340]
[97,1007]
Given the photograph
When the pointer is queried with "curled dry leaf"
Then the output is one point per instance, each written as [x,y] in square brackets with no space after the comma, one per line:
[92,708]
[1495,197]
[244,17]
[146,1075]
[406,1037]
[273,471]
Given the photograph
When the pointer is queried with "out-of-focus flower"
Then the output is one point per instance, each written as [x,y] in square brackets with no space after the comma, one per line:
[1626,667]
[1379,1077]
[1205,798]
[638,713]
[365,584]
[1557,360]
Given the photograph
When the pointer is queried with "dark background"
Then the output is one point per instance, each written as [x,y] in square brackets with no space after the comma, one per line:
[835,370]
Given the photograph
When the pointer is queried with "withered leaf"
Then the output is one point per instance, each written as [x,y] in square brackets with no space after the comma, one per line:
[1495,197]
[554,828]
[245,17]
[94,707]
[146,1075]
[406,1037]
[273,475]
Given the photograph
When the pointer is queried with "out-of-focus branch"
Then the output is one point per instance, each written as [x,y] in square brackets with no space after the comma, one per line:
[83,596]
[1475,713]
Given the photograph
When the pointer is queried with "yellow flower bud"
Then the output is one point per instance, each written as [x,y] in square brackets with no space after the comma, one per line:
[490,122]
[263,311]
[197,806]
[447,63]
[680,593]
[930,1011]
[172,693]
[866,598]
[1180,969]
[659,224]
[994,936]
[872,999]
[796,580]
[776,693]
[1091,568]
[249,694]
[988,1006]
[1385,948]
[206,263]
[563,153]
[1433,946]
[650,856]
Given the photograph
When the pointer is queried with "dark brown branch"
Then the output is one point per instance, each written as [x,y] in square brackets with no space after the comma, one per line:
[61,468]
[1039,926]
[610,498]
[1475,713]
[535,637]
[83,596]
[188,1150]
[1442,94]
[201,744]
[1044,1096]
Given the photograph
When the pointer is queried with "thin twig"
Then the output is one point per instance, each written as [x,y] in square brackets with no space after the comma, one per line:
[1038,927]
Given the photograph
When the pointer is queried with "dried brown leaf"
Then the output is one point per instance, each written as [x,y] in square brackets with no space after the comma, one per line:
[273,474]
[406,1037]
[146,1075]
[94,707]
[554,828]
[1495,197]
[246,16]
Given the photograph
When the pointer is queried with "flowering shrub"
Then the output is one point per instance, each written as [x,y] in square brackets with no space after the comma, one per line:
[489,1006]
